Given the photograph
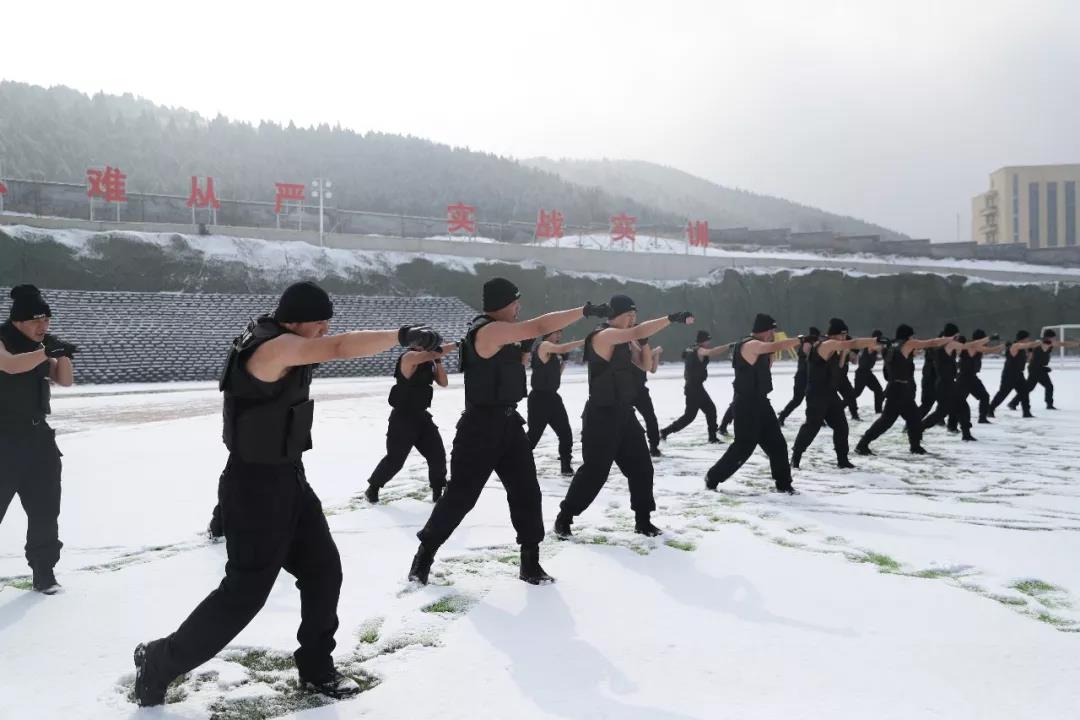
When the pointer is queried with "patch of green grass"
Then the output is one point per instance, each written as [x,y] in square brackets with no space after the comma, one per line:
[1052,619]
[22,584]
[1009,600]
[784,542]
[930,574]
[510,559]
[369,631]
[1034,587]
[728,520]
[684,545]
[265,707]
[884,562]
[262,660]
[599,540]
[452,604]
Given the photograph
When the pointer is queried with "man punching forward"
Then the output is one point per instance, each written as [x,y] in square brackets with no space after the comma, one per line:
[650,357]
[799,385]
[696,370]
[967,379]
[545,406]
[272,517]
[1039,367]
[1012,373]
[899,357]
[755,420]
[610,430]
[864,375]
[951,399]
[490,434]
[411,425]
[826,365]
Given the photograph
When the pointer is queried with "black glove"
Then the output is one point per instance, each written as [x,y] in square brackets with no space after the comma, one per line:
[680,317]
[419,336]
[57,348]
[885,342]
[995,337]
[599,311]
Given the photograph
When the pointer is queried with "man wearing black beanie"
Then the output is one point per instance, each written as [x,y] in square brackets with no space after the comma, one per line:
[490,434]
[826,363]
[30,361]
[695,371]
[951,399]
[864,375]
[545,405]
[1039,367]
[899,361]
[610,432]
[967,379]
[1012,372]
[755,420]
[272,518]
[650,361]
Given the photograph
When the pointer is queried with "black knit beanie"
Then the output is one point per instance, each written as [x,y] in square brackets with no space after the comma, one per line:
[837,327]
[703,336]
[28,304]
[763,323]
[903,332]
[304,302]
[620,304]
[498,293]
[949,330]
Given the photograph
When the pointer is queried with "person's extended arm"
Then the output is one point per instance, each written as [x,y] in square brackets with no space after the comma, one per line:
[751,349]
[610,337]
[1018,346]
[274,357]
[713,352]
[440,372]
[494,335]
[414,358]
[912,344]
[548,348]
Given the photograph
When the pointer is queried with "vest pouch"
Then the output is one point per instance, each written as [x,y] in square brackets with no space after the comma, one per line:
[298,433]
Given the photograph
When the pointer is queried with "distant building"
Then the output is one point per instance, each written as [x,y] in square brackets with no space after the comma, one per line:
[1032,205]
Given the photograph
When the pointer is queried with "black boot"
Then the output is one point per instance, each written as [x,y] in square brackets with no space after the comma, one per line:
[715,440]
[863,449]
[1028,415]
[335,685]
[968,436]
[566,470]
[723,431]
[983,420]
[150,687]
[918,450]
[372,494]
[421,565]
[643,525]
[436,492]
[711,483]
[531,572]
[562,525]
[655,452]
[45,582]
[796,458]
[844,464]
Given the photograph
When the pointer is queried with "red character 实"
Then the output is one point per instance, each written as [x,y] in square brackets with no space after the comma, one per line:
[109,184]
[461,217]
[200,199]
[622,228]
[287,192]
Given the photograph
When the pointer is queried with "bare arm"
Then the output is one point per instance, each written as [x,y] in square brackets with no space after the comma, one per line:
[751,349]
[440,373]
[911,345]
[22,362]
[548,348]
[494,335]
[714,352]
[644,357]
[609,337]
[62,371]
[656,353]
[1018,346]
[413,358]
[274,357]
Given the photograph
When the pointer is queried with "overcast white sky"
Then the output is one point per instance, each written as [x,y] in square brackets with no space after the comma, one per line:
[895,112]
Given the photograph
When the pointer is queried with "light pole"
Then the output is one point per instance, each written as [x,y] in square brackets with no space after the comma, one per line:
[320,188]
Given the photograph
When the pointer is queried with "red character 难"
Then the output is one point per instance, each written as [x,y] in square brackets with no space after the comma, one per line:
[109,184]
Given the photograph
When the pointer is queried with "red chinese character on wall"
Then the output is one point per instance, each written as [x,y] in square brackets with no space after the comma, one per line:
[200,199]
[549,224]
[461,217]
[287,192]
[698,233]
[109,184]
[622,228]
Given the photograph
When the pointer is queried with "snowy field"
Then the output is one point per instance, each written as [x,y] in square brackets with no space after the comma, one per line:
[943,586]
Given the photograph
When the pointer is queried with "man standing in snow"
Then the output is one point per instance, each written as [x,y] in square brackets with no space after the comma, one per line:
[490,437]
[695,371]
[826,364]
[272,517]
[650,357]
[610,432]
[864,375]
[967,379]
[1012,373]
[899,357]
[1039,367]
[799,388]
[30,360]
[411,425]
[545,406]
[755,420]
[952,399]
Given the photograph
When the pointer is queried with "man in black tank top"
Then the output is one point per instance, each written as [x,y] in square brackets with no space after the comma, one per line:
[928,385]
[411,425]
[826,363]
[696,362]
[968,383]
[865,378]
[650,357]
[799,387]
[272,518]
[1012,373]
[545,406]
[610,432]
[899,356]
[755,420]
[490,434]
[846,389]
[951,396]
[1039,367]
[31,361]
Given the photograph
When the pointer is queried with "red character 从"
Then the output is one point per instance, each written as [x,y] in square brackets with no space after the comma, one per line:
[200,199]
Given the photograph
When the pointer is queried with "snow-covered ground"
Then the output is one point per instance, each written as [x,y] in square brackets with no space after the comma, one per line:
[944,586]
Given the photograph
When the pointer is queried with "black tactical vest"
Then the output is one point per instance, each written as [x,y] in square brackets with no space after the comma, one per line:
[695,368]
[412,393]
[867,360]
[24,397]
[498,381]
[611,382]
[944,364]
[265,422]
[1014,365]
[546,376]
[751,380]
[1040,357]
[823,376]
[900,369]
[969,364]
